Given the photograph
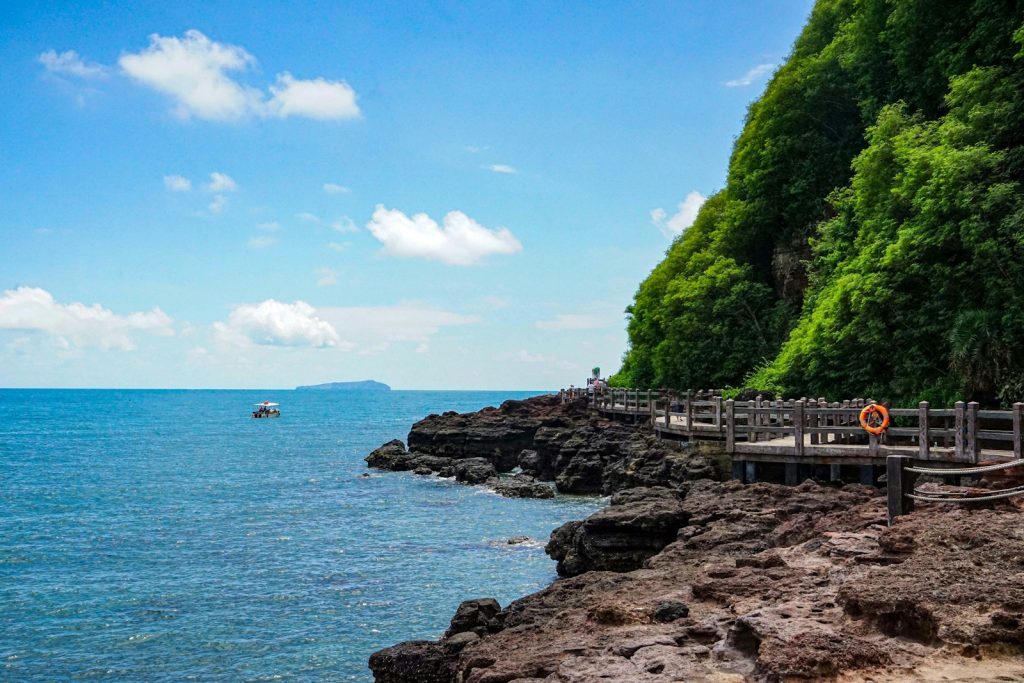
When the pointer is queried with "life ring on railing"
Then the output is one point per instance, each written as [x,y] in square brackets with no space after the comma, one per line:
[878,412]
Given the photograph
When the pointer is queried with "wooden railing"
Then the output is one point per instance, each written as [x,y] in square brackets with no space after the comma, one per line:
[815,428]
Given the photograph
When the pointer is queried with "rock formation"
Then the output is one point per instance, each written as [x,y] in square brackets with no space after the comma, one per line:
[683,577]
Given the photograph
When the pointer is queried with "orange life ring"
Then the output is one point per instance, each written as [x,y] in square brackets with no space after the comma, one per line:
[874,409]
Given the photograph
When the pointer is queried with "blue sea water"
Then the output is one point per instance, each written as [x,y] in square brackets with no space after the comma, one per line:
[167,536]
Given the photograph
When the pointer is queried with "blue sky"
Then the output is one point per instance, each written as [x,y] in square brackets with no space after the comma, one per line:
[229,194]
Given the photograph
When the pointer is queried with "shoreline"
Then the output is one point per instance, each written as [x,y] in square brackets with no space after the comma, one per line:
[686,574]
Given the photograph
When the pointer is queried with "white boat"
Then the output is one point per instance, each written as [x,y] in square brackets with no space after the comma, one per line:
[266,409]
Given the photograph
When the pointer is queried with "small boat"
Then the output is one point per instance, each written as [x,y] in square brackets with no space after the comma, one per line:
[266,409]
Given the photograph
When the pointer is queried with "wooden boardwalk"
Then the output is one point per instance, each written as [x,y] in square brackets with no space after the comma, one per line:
[818,432]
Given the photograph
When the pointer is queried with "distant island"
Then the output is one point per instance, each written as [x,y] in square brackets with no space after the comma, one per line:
[366,385]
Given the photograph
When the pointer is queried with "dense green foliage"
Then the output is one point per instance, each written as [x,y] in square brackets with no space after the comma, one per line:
[870,236]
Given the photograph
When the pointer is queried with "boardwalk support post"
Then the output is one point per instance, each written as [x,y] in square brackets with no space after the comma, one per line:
[959,428]
[900,483]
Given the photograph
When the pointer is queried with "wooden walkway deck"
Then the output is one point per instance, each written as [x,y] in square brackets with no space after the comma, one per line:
[817,432]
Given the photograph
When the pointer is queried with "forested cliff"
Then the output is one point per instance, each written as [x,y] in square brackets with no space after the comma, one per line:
[869,239]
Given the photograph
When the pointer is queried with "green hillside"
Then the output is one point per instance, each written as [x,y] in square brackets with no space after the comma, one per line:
[869,239]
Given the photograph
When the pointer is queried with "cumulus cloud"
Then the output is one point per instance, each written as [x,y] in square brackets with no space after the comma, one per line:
[70,64]
[502,168]
[197,73]
[682,218]
[578,321]
[275,323]
[459,241]
[308,217]
[749,77]
[221,182]
[194,71]
[315,99]
[75,324]
[177,183]
[335,188]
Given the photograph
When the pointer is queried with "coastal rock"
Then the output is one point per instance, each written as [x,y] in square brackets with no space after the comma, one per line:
[523,486]
[636,526]
[550,441]
[430,462]
[422,661]
[391,456]
[496,434]
[476,616]
[474,470]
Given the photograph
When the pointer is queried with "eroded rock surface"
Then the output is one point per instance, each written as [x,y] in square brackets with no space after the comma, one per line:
[767,583]
[687,578]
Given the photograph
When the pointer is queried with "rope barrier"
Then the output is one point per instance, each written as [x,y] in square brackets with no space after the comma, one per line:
[977,499]
[968,470]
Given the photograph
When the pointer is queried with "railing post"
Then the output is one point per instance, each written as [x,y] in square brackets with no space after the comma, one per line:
[730,425]
[753,418]
[958,431]
[973,442]
[899,483]
[1018,411]
[798,427]
[923,440]
[718,413]
[689,411]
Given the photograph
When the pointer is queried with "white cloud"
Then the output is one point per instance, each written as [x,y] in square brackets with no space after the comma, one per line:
[315,99]
[177,183]
[70,63]
[345,225]
[337,246]
[524,356]
[328,277]
[221,182]
[196,72]
[578,321]
[502,168]
[461,241]
[682,219]
[218,203]
[335,188]
[261,242]
[749,77]
[374,328]
[75,324]
[275,323]
[270,226]
[308,217]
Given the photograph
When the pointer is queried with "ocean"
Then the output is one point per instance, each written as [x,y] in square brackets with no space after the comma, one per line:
[167,536]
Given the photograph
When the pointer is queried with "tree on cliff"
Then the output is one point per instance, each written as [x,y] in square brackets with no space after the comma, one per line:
[870,235]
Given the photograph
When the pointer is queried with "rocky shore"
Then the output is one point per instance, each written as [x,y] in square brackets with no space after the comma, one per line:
[687,576]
